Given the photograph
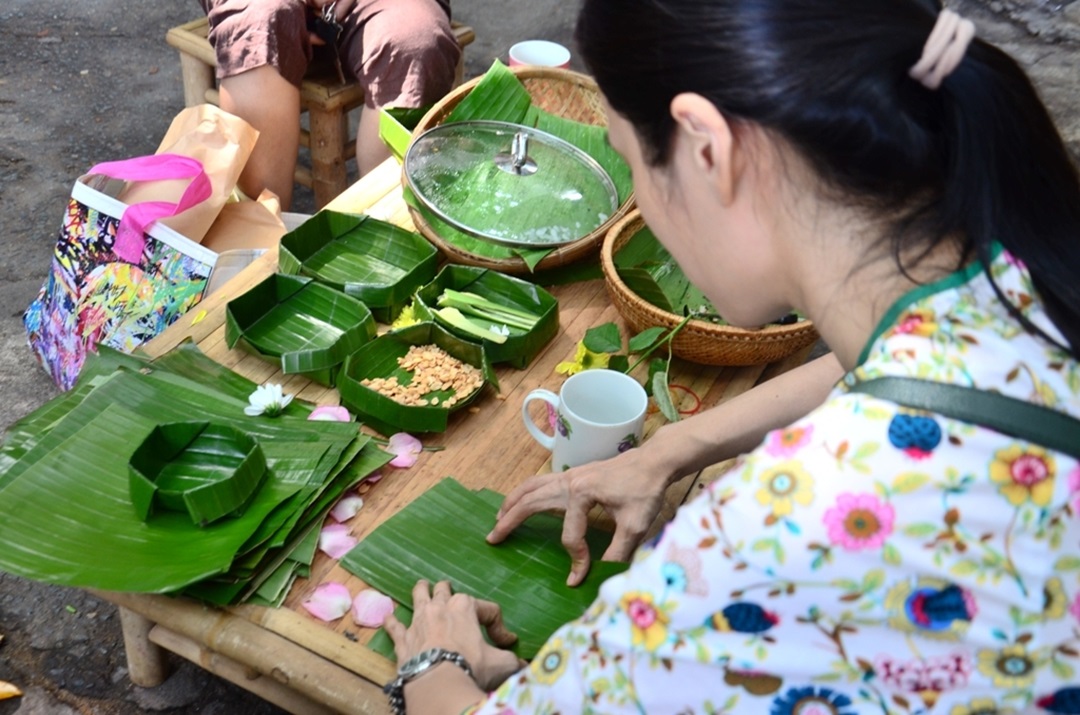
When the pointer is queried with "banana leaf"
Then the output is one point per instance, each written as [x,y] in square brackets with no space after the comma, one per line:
[24,433]
[69,519]
[379,359]
[649,270]
[308,326]
[374,261]
[440,536]
[70,490]
[396,125]
[472,244]
[499,95]
[520,346]
[591,139]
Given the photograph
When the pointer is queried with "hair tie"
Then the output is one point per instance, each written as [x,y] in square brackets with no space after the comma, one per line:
[944,49]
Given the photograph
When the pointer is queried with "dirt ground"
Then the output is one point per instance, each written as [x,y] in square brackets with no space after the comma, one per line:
[89,81]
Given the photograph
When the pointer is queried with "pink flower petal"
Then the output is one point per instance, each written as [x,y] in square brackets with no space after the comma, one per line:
[374,478]
[330,413]
[347,507]
[370,608]
[330,601]
[406,447]
[335,540]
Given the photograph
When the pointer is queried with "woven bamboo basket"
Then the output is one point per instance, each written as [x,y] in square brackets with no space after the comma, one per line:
[562,92]
[698,341]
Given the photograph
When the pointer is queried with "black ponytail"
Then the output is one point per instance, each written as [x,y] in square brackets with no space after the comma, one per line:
[978,158]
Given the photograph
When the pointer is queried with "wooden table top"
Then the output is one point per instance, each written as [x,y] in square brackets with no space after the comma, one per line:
[486,445]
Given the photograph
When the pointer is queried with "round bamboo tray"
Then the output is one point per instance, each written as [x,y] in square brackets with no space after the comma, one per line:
[562,92]
[698,341]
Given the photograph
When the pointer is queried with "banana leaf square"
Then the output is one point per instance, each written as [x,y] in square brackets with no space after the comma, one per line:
[372,260]
[379,359]
[521,345]
[310,327]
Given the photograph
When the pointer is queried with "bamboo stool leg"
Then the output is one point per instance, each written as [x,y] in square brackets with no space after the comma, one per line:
[329,133]
[198,79]
[147,664]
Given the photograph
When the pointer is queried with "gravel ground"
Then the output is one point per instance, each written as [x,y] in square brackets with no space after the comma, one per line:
[88,81]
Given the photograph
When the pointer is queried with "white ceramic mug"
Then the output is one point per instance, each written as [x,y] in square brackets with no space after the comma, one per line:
[539,53]
[597,414]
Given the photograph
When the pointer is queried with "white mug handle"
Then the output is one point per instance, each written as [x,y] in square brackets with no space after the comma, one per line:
[546,440]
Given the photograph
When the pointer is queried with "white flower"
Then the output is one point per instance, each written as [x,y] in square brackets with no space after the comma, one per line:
[267,400]
[501,329]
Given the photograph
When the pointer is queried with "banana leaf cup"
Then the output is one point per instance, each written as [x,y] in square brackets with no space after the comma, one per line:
[379,359]
[520,344]
[308,326]
[207,470]
[374,261]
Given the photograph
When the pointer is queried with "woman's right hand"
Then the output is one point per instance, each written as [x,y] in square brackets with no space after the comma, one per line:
[630,490]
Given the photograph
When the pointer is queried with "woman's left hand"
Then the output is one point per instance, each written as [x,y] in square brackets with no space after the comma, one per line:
[442,619]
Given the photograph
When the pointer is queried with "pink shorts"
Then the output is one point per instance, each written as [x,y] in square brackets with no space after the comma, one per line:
[402,52]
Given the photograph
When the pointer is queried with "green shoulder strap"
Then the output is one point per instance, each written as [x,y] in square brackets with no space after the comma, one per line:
[1016,418]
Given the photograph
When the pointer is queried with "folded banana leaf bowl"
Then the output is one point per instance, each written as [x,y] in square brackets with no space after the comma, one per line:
[308,327]
[547,186]
[513,319]
[414,378]
[649,290]
[374,261]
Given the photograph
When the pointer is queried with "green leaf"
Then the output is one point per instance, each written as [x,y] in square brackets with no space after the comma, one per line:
[920,530]
[1067,563]
[872,580]
[909,482]
[662,395]
[525,575]
[603,339]
[619,363]
[646,339]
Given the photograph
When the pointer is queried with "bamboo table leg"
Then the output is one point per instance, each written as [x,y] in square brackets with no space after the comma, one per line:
[329,134]
[147,664]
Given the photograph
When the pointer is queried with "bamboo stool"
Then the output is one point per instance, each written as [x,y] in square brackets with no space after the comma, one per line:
[326,101]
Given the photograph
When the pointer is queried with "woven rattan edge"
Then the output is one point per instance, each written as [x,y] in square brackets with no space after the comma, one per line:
[698,341]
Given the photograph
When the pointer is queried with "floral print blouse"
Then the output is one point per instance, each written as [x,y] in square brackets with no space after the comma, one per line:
[866,559]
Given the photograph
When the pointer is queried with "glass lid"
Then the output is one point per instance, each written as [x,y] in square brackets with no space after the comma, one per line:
[509,184]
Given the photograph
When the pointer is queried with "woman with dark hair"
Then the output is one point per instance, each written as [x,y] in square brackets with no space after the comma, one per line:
[912,543]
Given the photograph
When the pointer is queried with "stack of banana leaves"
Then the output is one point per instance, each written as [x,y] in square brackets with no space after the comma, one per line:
[67,514]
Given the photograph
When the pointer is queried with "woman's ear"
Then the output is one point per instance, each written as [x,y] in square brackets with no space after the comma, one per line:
[710,141]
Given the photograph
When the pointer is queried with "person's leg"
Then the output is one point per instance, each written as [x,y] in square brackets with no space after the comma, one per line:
[370,149]
[271,104]
[404,54]
[263,50]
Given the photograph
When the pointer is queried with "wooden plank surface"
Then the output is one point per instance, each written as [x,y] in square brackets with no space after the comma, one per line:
[485,445]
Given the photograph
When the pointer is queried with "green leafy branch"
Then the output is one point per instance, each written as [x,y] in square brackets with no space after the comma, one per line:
[606,339]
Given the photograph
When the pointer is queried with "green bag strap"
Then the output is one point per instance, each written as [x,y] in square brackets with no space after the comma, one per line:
[1033,423]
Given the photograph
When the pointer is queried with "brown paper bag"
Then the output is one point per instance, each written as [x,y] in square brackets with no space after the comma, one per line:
[222,142]
[247,224]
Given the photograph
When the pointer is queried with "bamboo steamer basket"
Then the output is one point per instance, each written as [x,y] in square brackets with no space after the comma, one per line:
[698,341]
[564,93]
